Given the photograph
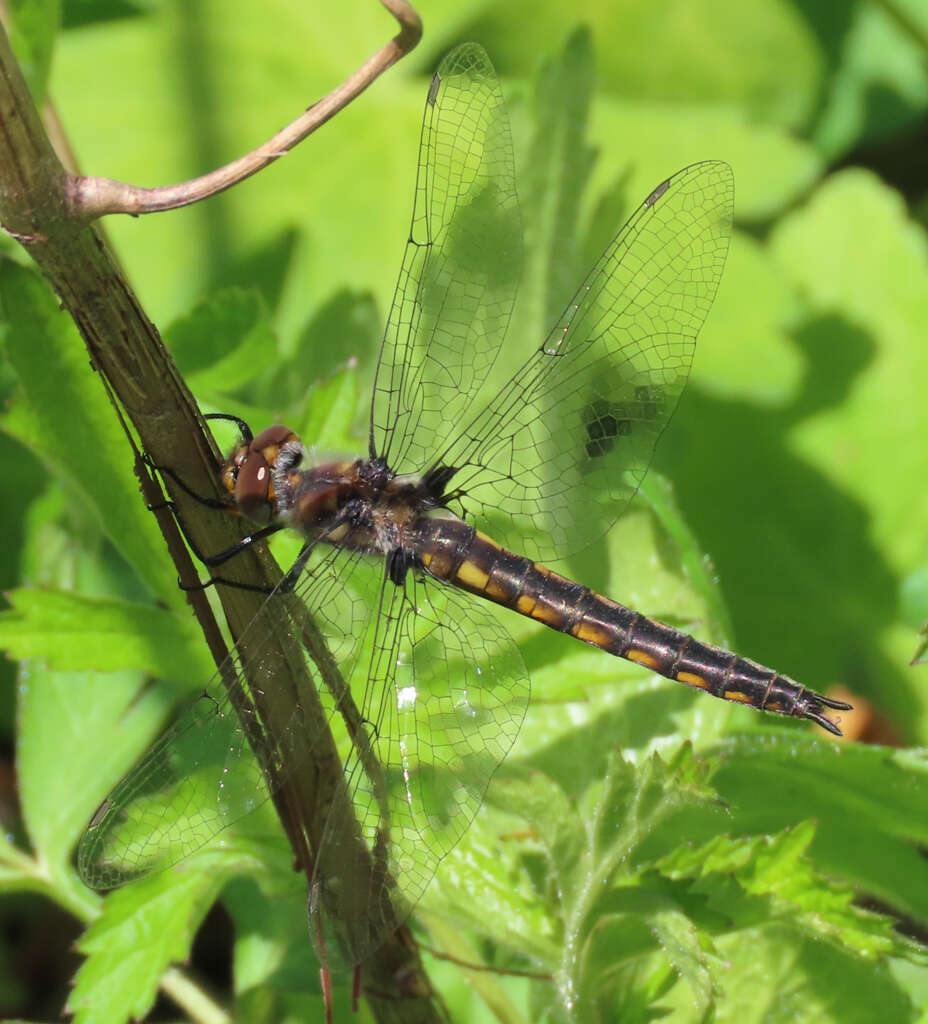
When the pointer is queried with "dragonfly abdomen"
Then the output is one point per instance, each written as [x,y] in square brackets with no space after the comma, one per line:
[453,551]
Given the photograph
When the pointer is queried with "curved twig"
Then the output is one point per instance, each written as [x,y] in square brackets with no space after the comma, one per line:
[91,197]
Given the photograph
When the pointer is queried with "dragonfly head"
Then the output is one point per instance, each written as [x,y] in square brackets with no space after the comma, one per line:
[250,471]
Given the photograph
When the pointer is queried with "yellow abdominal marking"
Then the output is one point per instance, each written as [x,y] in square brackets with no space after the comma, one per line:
[692,679]
[496,592]
[643,658]
[472,576]
[547,614]
[525,604]
[742,698]
[592,634]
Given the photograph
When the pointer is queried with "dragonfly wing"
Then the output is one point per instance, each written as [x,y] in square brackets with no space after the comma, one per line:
[202,774]
[447,692]
[461,266]
[562,447]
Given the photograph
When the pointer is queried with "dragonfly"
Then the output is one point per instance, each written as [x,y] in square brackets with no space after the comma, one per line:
[411,550]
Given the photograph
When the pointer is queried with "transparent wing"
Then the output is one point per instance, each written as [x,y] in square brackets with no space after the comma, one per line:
[460,269]
[558,453]
[202,774]
[447,692]
[434,694]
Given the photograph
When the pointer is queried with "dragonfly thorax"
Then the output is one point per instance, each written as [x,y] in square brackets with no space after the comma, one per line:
[361,505]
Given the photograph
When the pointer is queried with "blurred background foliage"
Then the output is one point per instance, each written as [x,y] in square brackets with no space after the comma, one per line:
[794,530]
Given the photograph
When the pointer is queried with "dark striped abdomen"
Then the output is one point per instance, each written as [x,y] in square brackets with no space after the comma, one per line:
[453,551]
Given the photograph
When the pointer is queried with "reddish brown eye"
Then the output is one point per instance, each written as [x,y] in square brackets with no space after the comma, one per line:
[252,488]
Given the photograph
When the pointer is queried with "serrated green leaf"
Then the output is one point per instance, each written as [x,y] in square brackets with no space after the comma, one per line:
[69,632]
[680,942]
[778,867]
[772,975]
[490,893]
[721,854]
[142,930]
[590,854]
[867,802]
[151,923]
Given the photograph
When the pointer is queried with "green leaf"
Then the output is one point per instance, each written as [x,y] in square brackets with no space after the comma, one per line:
[772,973]
[344,330]
[74,633]
[143,929]
[330,413]
[778,867]
[151,923]
[681,943]
[556,172]
[70,424]
[485,889]
[861,267]
[79,732]
[755,301]
[642,891]
[772,168]
[866,801]
[881,84]
[223,341]
[707,51]
[878,285]
[658,492]
[591,855]
[271,950]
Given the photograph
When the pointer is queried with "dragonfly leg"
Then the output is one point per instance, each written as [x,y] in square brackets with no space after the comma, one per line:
[243,427]
[200,498]
[222,581]
[296,570]
[222,556]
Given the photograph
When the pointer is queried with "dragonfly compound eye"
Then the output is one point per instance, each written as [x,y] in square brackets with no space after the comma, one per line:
[254,494]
